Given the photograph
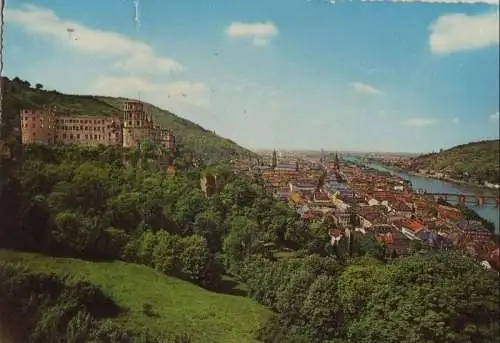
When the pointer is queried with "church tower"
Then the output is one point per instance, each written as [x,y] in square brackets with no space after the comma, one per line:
[275,159]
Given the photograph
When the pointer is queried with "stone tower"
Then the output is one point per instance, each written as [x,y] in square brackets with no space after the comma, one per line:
[137,126]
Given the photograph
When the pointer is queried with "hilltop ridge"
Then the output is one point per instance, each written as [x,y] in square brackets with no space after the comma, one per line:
[475,162]
[191,136]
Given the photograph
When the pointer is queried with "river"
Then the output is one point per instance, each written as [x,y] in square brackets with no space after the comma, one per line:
[489,211]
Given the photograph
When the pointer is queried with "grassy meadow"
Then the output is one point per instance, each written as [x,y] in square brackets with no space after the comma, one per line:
[177,306]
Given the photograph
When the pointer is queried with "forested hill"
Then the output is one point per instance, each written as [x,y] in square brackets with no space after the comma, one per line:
[193,137]
[477,161]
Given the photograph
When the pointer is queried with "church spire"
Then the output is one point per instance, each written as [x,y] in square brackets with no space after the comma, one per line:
[275,159]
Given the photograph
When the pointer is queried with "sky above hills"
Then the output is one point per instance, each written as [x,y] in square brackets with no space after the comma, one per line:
[293,74]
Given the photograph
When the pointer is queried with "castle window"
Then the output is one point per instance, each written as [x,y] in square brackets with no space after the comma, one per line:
[138,123]
[64,136]
[34,125]
[77,136]
[34,134]
[95,136]
[86,136]
[81,128]
[70,136]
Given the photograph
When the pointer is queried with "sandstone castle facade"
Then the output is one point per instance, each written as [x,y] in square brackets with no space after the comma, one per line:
[128,128]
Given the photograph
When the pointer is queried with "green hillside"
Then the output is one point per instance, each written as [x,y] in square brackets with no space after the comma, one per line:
[179,306]
[477,161]
[21,94]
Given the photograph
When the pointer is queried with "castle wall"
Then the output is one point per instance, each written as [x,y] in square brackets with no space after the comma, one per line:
[48,127]
[38,126]
[88,130]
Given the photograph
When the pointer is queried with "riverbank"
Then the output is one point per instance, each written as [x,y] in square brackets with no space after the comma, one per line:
[434,185]
[438,178]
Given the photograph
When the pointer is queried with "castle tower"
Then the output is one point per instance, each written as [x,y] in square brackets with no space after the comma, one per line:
[38,126]
[135,124]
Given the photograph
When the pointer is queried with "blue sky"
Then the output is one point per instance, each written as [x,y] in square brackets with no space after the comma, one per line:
[293,74]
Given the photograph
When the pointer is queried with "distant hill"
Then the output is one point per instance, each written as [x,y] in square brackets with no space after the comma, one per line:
[477,161]
[21,94]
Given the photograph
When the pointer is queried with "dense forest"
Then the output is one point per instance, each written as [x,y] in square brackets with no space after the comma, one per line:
[105,204]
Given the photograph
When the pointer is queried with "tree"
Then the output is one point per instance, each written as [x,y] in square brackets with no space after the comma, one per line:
[357,284]
[146,247]
[39,86]
[322,309]
[240,242]
[208,224]
[319,237]
[70,234]
[437,297]
[291,295]
[194,257]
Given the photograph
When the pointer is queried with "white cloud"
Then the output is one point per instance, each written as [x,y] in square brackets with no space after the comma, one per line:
[419,121]
[260,33]
[455,120]
[495,116]
[164,95]
[460,32]
[365,89]
[129,54]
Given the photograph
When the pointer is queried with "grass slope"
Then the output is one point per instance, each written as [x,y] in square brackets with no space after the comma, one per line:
[20,94]
[179,306]
[479,159]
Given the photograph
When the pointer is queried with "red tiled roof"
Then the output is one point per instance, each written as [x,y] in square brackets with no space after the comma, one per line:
[321,196]
[387,238]
[335,232]
[401,206]
[414,226]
